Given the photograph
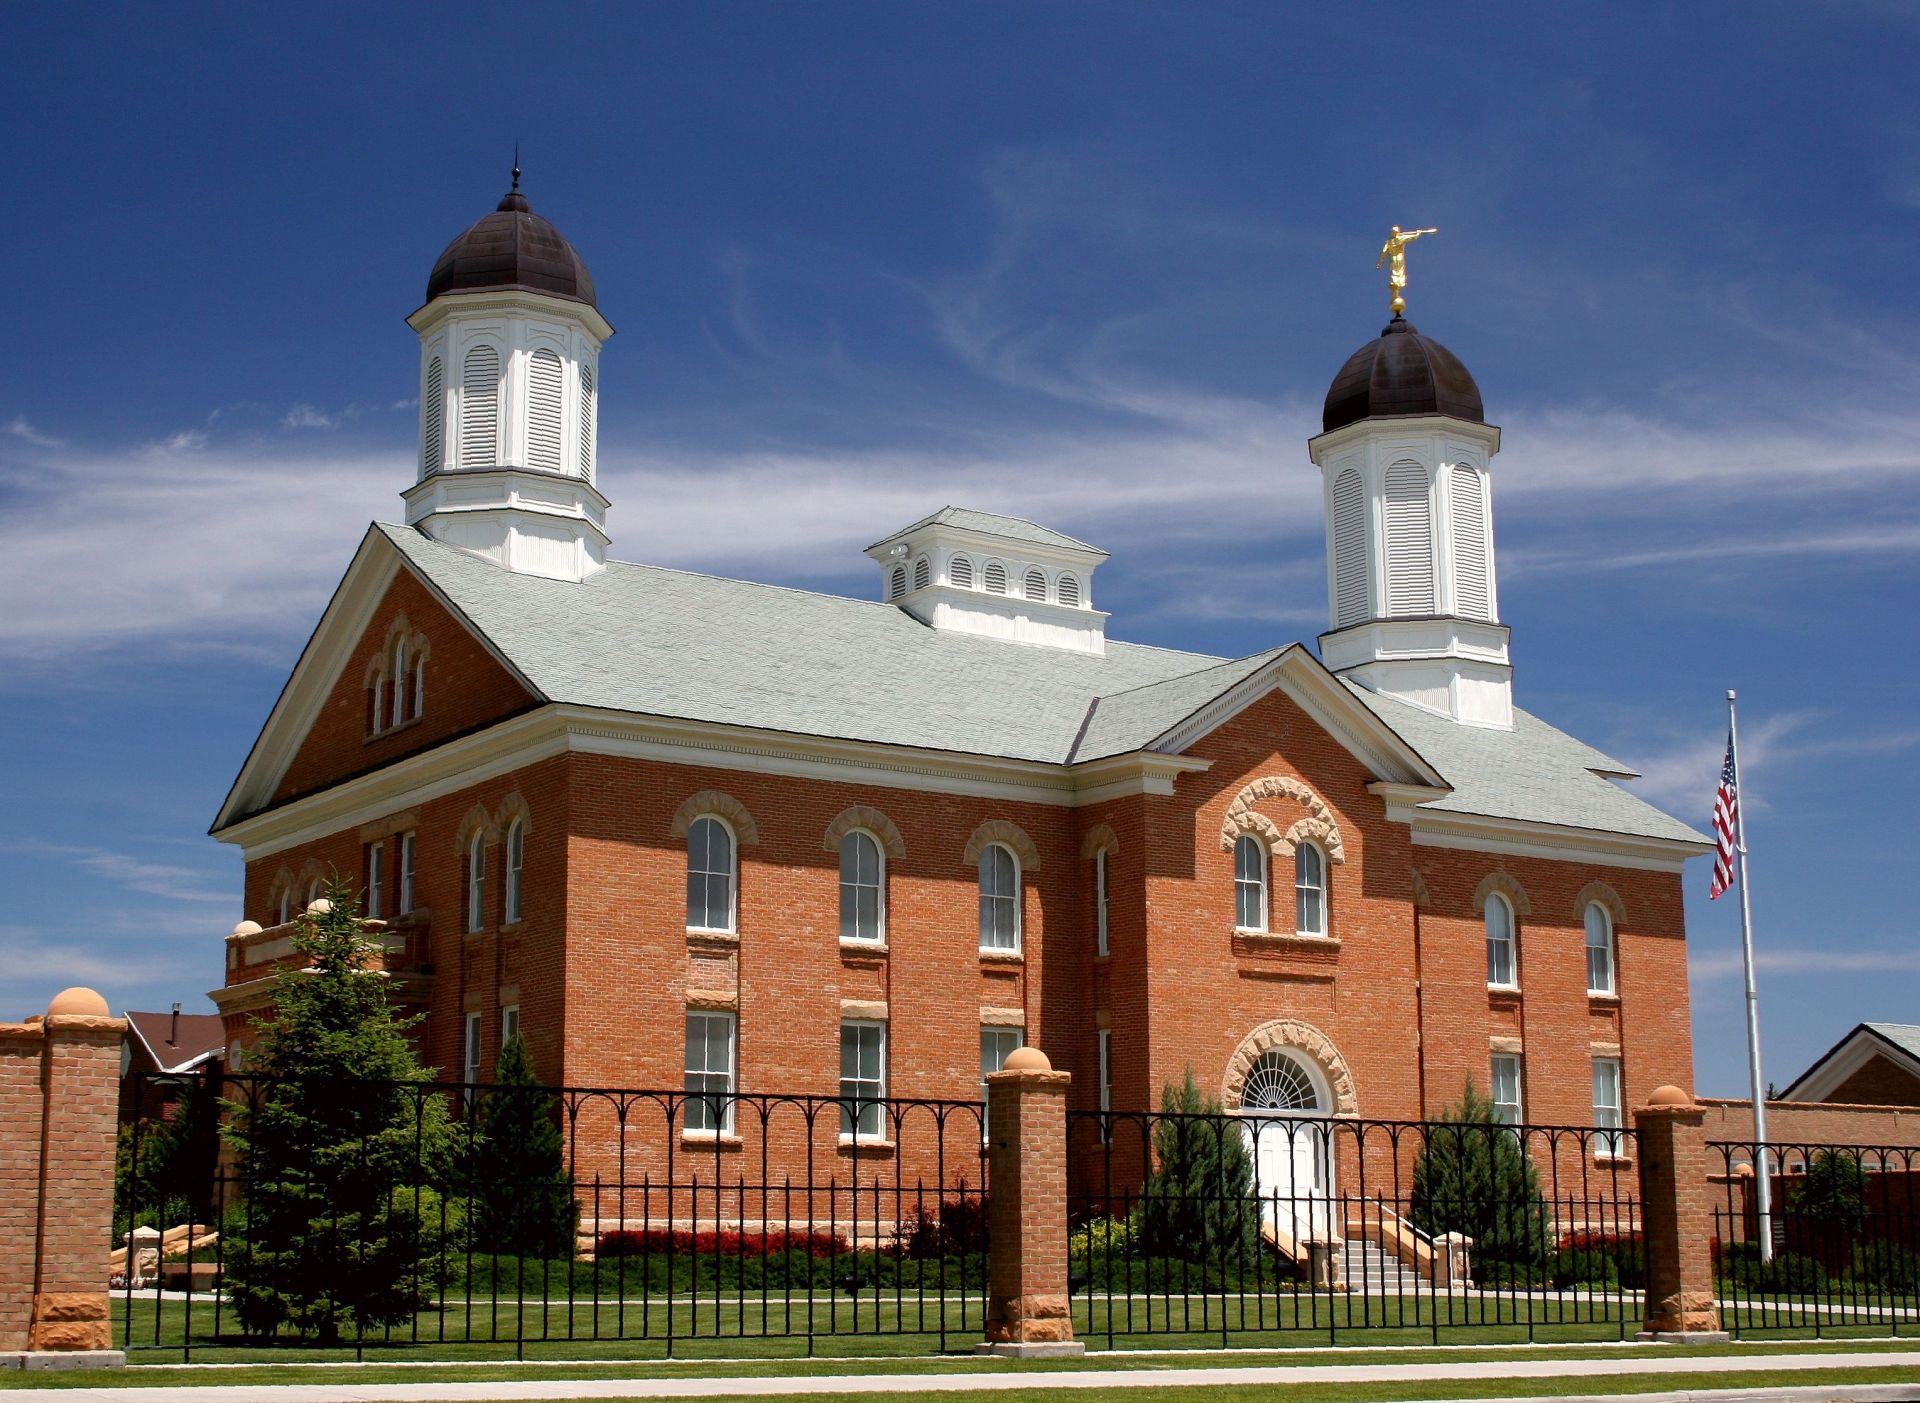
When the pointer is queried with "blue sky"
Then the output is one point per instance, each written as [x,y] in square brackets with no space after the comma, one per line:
[1093,264]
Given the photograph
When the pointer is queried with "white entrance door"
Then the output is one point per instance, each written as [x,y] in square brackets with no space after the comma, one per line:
[1285,1126]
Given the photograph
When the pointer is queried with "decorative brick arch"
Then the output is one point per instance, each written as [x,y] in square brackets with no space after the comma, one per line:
[1011,835]
[1507,886]
[477,820]
[1606,896]
[862,816]
[1294,1036]
[721,804]
[1100,837]
[513,809]
[1241,817]
[1422,898]
[283,885]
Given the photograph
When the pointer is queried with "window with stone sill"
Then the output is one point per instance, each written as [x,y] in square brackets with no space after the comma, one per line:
[476,882]
[1503,955]
[863,1079]
[999,900]
[1249,883]
[1600,949]
[516,862]
[710,875]
[863,889]
[1309,890]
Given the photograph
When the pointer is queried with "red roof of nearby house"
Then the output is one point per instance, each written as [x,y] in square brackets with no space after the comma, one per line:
[198,1037]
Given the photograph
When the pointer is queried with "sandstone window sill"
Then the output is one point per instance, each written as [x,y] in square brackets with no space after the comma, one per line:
[876,948]
[701,935]
[707,1140]
[1002,957]
[1603,1000]
[850,1145]
[390,732]
[1284,940]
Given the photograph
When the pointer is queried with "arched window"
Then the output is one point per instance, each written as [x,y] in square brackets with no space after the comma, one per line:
[863,904]
[897,582]
[1309,890]
[999,898]
[1277,1082]
[420,685]
[1468,503]
[433,418]
[1070,590]
[400,680]
[377,703]
[476,881]
[996,575]
[315,890]
[544,379]
[1035,585]
[480,408]
[960,571]
[1503,964]
[922,573]
[1101,943]
[1250,883]
[586,422]
[709,875]
[516,860]
[1409,541]
[286,905]
[1349,549]
[1599,924]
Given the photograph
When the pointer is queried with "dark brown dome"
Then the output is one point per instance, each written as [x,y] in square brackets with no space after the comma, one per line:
[512,248]
[1397,374]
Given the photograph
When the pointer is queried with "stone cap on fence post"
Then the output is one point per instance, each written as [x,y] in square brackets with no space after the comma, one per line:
[1676,1215]
[1028,1305]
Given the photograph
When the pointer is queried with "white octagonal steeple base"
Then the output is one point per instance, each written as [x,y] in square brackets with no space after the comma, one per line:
[533,523]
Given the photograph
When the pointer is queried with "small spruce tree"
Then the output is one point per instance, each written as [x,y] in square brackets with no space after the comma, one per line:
[341,1147]
[522,1195]
[1199,1202]
[1474,1176]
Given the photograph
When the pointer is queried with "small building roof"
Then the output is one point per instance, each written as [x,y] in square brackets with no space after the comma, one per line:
[1898,1043]
[200,1036]
[1012,528]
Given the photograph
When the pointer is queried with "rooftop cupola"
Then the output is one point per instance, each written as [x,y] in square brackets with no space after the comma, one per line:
[510,340]
[1404,454]
[999,576]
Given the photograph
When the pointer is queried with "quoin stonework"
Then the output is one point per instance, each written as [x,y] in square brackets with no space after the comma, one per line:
[685,831]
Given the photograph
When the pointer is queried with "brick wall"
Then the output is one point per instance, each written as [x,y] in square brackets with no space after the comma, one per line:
[1814,1123]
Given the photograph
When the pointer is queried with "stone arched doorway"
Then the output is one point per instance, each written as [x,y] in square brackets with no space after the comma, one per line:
[1287,1082]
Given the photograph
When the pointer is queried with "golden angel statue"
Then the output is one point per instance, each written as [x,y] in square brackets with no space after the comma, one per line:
[1393,254]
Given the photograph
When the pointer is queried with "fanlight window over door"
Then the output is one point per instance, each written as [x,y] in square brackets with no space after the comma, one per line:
[1279,1083]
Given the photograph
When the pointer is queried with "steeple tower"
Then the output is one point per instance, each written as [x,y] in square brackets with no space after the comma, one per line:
[509,359]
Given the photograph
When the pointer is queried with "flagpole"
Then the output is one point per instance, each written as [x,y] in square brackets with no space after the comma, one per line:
[1762,1169]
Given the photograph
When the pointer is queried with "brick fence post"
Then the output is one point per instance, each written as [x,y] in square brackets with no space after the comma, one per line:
[1676,1215]
[60,1092]
[1028,1304]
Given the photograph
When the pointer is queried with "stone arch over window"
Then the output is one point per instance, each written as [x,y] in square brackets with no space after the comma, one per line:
[1302,1039]
[478,821]
[283,891]
[1505,884]
[1100,838]
[1422,898]
[513,807]
[722,804]
[862,816]
[998,830]
[1606,896]
[1319,824]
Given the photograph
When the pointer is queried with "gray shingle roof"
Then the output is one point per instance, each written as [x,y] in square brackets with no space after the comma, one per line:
[1905,1036]
[1015,528]
[658,642]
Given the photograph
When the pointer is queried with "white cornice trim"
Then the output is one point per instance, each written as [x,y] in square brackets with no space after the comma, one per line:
[1488,435]
[1521,838]
[509,299]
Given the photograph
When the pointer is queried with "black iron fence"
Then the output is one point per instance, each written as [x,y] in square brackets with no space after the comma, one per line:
[1226,1226]
[1837,1249]
[382,1213]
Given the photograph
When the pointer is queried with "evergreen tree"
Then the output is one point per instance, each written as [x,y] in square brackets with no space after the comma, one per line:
[1199,1201]
[523,1203]
[341,1143]
[1474,1176]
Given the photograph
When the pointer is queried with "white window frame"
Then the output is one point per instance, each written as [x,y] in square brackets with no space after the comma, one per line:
[1014,901]
[1101,937]
[376,884]
[419,686]
[516,859]
[1246,842]
[470,1055]
[879,936]
[1607,949]
[399,681]
[476,883]
[315,890]
[378,722]
[1511,940]
[1511,1111]
[697,1109]
[1301,891]
[1609,1096]
[995,1049]
[509,1024]
[853,1124]
[732,875]
[286,905]
[404,896]
[1103,1038]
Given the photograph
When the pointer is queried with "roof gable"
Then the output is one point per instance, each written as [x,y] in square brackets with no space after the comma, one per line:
[1896,1043]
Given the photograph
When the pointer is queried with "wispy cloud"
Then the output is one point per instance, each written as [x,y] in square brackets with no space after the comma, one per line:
[1797,960]
[1680,776]
[21,428]
[305,416]
[170,881]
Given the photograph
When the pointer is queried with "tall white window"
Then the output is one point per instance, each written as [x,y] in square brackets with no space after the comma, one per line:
[960,572]
[509,1024]
[1250,883]
[286,905]
[405,902]
[516,861]
[862,888]
[1606,1104]
[544,380]
[863,1078]
[709,875]
[995,1045]
[433,419]
[1506,1088]
[471,1060]
[1599,949]
[1502,955]
[315,890]
[710,1072]
[999,899]
[480,408]
[400,680]
[1104,1039]
[1100,946]
[377,704]
[476,881]
[419,686]
[1309,890]
[376,880]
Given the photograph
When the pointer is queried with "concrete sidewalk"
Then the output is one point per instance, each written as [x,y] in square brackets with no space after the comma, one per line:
[1680,1367]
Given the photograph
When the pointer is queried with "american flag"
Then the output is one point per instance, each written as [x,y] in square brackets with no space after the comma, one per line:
[1726,818]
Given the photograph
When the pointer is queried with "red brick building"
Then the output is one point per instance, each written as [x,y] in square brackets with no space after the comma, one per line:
[679,830]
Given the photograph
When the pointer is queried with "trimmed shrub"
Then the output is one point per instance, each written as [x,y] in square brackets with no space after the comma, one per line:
[1198,1205]
[1473,1176]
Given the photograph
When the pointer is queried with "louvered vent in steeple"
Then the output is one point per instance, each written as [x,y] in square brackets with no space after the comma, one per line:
[1409,541]
[1471,595]
[433,418]
[544,380]
[480,408]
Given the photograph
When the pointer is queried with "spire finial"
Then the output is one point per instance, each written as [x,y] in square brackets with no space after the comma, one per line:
[516,165]
[1393,257]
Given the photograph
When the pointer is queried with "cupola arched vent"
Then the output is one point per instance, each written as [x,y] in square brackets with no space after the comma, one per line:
[586,422]
[1409,541]
[544,379]
[1349,549]
[1470,544]
[897,582]
[433,419]
[960,571]
[480,408]
[996,577]
[1035,586]
[922,573]
[1070,590]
